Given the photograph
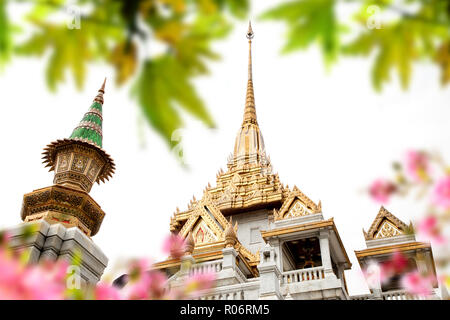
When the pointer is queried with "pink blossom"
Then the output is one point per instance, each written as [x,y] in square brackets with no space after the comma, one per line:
[105,291]
[45,282]
[441,193]
[150,285]
[199,282]
[417,165]
[174,246]
[396,264]
[10,276]
[144,283]
[37,282]
[428,229]
[415,283]
[157,284]
[5,238]
[381,190]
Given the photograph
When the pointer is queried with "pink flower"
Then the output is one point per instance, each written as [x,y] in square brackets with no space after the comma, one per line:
[429,230]
[381,190]
[105,291]
[441,193]
[174,246]
[5,238]
[199,282]
[157,284]
[397,264]
[415,283]
[45,282]
[36,282]
[151,285]
[144,283]
[417,166]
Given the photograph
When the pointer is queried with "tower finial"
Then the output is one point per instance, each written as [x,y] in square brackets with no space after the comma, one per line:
[101,91]
[250,111]
[250,33]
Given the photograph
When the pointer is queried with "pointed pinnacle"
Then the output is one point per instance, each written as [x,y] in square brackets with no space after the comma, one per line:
[250,33]
[103,85]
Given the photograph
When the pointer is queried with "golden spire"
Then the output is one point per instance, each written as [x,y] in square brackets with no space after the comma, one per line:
[101,91]
[250,111]
[249,144]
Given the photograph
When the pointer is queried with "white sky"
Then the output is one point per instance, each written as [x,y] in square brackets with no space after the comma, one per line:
[328,133]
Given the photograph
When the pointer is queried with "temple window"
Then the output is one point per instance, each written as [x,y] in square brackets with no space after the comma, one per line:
[301,254]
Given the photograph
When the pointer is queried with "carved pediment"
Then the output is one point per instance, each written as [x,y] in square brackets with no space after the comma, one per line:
[206,223]
[388,229]
[296,205]
[386,225]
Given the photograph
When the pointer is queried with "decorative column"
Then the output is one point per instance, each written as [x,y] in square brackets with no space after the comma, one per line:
[373,279]
[324,239]
[341,275]
[187,260]
[64,214]
[228,274]
[421,263]
[269,275]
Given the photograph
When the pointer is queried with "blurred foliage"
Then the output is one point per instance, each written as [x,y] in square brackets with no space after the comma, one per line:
[393,33]
[160,46]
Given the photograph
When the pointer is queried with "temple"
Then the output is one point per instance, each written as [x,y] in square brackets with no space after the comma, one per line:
[263,239]
[386,236]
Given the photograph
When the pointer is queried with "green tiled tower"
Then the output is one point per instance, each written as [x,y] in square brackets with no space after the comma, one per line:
[90,127]
[78,162]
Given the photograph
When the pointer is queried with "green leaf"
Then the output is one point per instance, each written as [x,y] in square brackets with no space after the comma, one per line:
[194,47]
[5,34]
[71,49]
[309,22]
[163,85]
[239,8]
[397,46]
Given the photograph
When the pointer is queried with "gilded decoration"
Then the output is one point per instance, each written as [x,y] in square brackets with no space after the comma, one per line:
[82,165]
[386,225]
[62,202]
[63,162]
[248,184]
[210,230]
[93,170]
[387,230]
[297,210]
[297,204]
[78,162]
[202,234]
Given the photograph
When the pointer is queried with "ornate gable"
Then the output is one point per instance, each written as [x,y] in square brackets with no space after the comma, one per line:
[297,204]
[386,225]
[206,223]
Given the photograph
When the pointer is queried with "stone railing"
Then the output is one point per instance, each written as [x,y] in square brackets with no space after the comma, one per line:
[213,266]
[401,295]
[303,275]
[235,295]
[241,291]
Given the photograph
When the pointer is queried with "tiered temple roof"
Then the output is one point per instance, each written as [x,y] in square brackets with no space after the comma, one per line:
[247,185]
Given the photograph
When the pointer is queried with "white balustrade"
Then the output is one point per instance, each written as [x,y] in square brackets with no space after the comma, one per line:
[303,275]
[234,295]
[401,295]
[214,266]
